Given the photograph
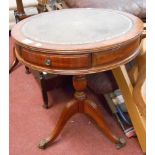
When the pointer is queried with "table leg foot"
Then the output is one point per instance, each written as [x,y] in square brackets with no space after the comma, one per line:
[91,109]
[27,70]
[70,109]
[43,143]
[44,90]
[121,143]
[14,63]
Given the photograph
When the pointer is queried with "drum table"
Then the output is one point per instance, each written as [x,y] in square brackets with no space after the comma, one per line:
[78,42]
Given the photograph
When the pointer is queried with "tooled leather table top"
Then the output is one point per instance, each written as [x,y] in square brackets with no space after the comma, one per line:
[81,26]
[70,29]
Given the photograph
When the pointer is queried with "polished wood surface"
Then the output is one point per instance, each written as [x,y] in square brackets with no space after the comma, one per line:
[20,7]
[81,105]
[79,60]
[126,87]
[74,64]
[74,59]
[132,84]
[57,61]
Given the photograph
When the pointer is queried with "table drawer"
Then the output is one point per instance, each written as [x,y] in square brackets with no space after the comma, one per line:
[116,54]
[57,61]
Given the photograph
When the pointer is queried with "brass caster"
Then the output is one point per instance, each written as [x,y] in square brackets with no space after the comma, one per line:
[121,143]
[43,144]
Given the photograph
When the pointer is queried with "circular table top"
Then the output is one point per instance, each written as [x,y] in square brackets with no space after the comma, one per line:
[76,27]
[77,41]
[70,30]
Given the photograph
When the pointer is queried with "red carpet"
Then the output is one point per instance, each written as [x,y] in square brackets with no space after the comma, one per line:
[29,123]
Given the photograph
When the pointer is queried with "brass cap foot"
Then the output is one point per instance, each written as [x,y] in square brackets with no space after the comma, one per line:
[43,144]
[121,143]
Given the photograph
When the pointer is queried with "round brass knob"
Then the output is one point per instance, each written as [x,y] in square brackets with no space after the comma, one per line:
[47,62]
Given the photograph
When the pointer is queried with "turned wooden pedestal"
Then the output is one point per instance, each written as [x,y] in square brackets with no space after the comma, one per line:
[81,105]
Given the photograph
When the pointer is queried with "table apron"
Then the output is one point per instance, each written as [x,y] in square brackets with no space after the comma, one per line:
[74,64]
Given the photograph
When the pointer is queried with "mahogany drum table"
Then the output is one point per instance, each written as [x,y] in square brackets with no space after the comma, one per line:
[78,42]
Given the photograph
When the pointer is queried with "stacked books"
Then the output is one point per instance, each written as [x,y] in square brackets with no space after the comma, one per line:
[116,103]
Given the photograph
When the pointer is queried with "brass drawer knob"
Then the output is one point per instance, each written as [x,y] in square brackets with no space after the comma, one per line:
[47,62]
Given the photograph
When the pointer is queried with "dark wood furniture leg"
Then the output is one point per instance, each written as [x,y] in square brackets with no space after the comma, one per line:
[19,12]
[81,105]
[43,89]
[27,70]
[41,8]
[14,63]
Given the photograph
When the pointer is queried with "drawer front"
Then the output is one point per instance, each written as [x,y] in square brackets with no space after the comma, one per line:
[115,55]
[56,61]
